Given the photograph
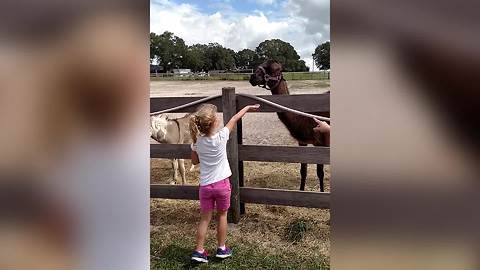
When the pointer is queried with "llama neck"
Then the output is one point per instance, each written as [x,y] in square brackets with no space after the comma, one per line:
[287,118]
[300,127]
[281,89]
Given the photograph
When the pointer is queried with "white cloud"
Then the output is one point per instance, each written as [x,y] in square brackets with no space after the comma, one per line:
[188,23]
[316,12]
[239,31]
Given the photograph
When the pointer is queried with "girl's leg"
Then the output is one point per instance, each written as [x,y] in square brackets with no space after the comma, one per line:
[202,229]
[222,227]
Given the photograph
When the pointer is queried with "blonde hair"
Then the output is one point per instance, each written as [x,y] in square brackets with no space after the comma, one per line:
[203,121]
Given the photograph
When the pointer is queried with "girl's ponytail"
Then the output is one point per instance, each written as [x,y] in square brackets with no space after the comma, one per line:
[194,128]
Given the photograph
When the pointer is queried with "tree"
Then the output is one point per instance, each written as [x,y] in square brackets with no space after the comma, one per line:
[301,66]
[168,50]
[154,42]
[219,58]
[321,56]
[194,58]
[231,58]
[281,51]
[245,59]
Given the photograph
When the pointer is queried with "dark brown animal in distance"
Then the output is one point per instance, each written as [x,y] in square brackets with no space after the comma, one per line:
[269,75]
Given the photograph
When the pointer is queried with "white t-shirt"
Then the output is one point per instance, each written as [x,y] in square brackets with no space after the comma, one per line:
[212,153]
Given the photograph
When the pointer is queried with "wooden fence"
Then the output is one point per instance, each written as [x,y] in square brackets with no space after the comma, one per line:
[237,152]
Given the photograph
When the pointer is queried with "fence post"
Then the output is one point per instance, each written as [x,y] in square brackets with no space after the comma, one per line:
[229,110]
[240,163]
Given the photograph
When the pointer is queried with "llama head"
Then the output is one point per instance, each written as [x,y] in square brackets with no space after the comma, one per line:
[158,127]
[268,74]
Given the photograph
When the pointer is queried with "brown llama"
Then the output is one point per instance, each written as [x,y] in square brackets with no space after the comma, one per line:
[269,75]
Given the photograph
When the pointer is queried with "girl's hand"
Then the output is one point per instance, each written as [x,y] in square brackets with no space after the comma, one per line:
[253,108]
[319,122]
[322,127]
[250,108]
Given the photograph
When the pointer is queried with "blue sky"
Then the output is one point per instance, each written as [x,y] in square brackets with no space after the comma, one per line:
[244,24]
[245,6]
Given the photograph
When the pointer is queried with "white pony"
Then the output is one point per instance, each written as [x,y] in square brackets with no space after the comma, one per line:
[172,131]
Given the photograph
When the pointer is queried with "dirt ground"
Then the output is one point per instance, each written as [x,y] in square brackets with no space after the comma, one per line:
[262,225]
[207,88]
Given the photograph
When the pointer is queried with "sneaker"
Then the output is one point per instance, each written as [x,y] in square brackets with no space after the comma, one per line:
[200,257]
[223,253]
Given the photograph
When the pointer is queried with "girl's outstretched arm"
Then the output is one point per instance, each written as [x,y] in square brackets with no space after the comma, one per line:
[233,121]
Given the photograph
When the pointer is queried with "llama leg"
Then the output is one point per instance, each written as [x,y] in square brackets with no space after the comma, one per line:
[303,171]
[175,168]
[303,174]
[320,175]
[181,165]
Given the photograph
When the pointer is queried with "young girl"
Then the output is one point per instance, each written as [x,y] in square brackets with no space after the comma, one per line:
[209,149]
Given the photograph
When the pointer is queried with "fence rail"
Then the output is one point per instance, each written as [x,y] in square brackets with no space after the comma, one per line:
[315,155]
[249,195]
[237,152]
[266,153]
[306,103]
[285,197]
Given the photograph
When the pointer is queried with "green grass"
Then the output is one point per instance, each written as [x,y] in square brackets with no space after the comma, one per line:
[289,76]
[175,254]
[297,229]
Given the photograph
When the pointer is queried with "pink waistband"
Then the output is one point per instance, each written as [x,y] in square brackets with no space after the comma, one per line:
[217,183]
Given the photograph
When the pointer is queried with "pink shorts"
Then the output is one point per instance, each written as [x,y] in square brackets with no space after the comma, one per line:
[217,193]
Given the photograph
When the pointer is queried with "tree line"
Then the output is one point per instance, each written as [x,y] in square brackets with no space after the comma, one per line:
[171,52]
